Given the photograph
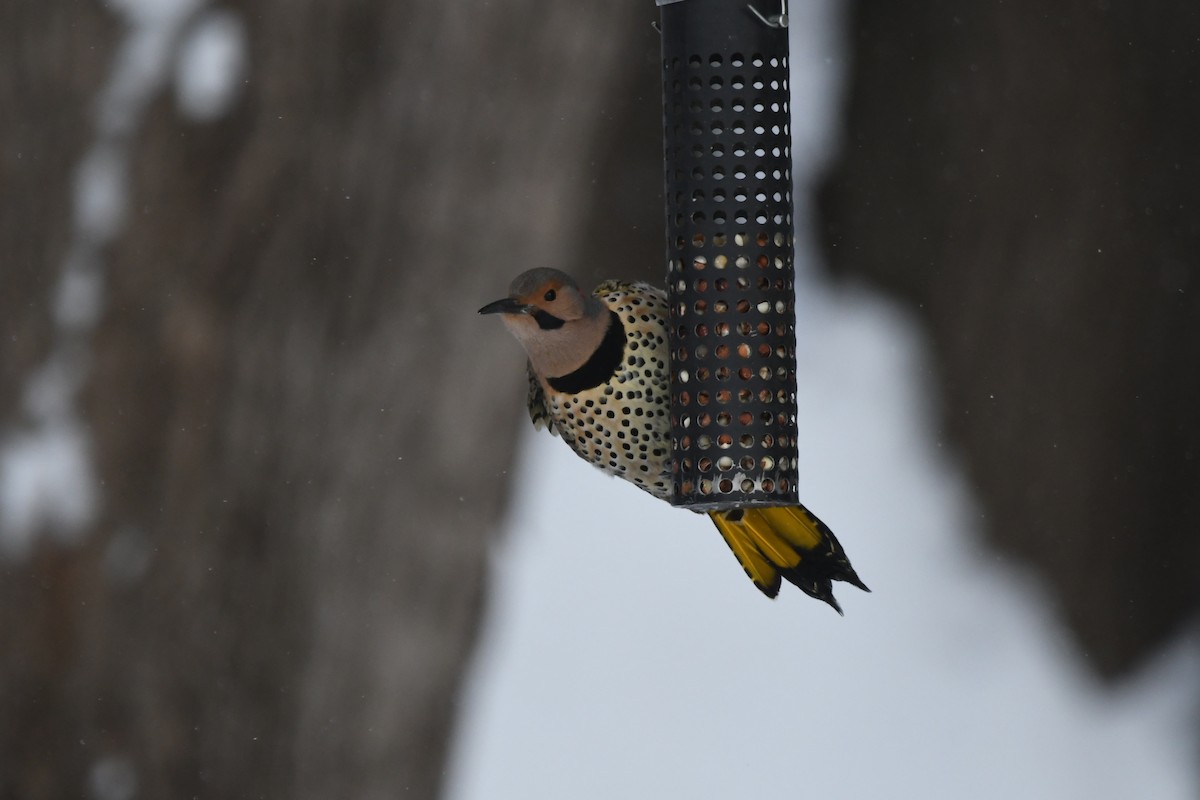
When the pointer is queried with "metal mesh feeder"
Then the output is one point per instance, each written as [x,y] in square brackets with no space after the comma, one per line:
[730,276]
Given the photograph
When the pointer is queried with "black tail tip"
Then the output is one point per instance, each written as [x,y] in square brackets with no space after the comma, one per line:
[851,577]
[815,578]
[825,594]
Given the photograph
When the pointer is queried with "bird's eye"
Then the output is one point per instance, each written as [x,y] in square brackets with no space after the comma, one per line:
[549,296]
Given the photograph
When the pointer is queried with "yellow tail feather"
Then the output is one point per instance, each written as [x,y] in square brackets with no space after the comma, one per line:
[786,542]
[796,525]
[757,566]
[770,539]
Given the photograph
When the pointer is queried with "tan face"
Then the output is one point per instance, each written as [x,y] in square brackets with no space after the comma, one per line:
[555,298]
[542,298]
[558,325]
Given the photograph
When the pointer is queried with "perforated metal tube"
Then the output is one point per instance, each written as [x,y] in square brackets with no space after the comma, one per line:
[727,149]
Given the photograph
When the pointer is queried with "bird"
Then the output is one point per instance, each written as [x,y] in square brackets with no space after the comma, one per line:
[599,378]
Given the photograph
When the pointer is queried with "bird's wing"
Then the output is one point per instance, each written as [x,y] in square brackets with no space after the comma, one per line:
[538,412]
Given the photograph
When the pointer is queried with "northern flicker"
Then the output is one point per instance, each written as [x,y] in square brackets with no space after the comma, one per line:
[599,378]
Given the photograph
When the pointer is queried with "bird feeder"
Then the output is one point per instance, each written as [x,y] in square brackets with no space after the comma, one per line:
[730,273]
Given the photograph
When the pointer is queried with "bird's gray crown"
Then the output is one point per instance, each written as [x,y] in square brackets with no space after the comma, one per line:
[532,279]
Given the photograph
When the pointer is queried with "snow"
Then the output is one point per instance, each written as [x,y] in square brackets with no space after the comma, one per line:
[211,65]
[100,194]
[113,778]
[153,13]
[45,480]
[141,64]
[46,477]
[626,654]
[78,298]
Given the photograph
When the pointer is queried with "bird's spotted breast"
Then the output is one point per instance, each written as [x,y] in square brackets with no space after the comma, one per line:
[622,425]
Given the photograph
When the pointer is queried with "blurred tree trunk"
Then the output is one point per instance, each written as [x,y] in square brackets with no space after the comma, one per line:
[1027,178]
[302,430]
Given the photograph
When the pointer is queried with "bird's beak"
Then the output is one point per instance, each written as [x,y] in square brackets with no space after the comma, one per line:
[509,305]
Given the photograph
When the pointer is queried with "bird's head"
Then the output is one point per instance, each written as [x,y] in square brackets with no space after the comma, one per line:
[542,298]
[557,323]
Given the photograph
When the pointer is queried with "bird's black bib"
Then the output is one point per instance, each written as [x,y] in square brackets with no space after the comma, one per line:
[601,366]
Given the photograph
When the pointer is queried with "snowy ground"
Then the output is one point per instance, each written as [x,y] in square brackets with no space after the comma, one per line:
[637,661]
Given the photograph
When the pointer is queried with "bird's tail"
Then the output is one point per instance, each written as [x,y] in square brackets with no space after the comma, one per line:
[786,542]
